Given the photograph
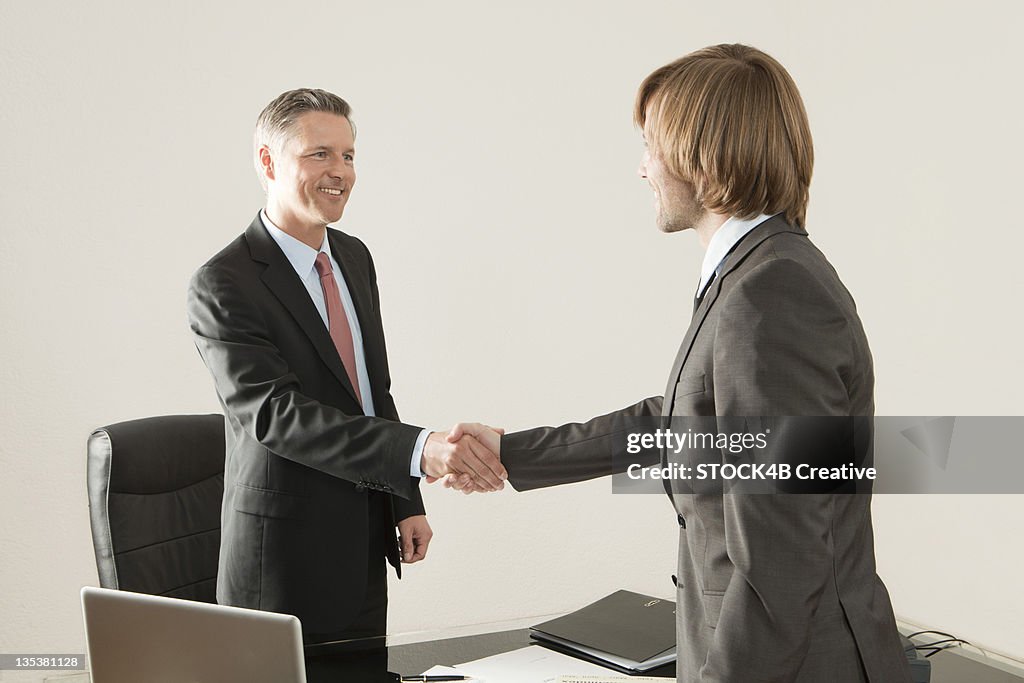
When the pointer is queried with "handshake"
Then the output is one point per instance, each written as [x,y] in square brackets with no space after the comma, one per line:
[467,459]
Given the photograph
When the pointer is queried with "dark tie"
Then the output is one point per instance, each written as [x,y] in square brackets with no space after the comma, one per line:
[699,298]
[337,321]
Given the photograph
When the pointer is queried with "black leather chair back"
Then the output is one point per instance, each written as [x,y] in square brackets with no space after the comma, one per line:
[155,490]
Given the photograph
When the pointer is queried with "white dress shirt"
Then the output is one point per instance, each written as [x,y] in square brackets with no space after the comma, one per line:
[722,242]
[303,259]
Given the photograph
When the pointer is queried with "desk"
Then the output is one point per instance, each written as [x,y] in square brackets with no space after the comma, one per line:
[947,667]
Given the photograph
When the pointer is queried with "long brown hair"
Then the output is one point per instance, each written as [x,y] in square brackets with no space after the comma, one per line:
[729,119]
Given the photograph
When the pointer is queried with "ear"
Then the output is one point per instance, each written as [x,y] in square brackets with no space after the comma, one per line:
[266,162]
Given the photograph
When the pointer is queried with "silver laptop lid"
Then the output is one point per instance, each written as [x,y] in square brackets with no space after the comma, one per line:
[134,637]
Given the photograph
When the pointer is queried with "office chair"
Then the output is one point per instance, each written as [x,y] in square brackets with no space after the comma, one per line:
[155,489]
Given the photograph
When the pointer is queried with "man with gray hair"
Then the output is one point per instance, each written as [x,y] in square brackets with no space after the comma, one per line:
[319,471]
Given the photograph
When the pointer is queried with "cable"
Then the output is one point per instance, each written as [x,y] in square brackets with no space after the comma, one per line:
[938,633]
[940,642]
[949,638]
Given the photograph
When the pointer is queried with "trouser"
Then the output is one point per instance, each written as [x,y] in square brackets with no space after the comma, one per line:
[372,619]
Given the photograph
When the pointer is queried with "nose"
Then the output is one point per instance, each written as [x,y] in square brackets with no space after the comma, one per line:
[343,171]
[642,169]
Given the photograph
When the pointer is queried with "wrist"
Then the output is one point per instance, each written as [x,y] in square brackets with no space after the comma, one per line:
[431,442]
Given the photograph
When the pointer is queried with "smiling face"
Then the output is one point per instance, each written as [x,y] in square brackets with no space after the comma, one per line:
[675,200]
[310,177]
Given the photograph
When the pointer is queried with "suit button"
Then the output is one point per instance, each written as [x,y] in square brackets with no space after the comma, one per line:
[682,521]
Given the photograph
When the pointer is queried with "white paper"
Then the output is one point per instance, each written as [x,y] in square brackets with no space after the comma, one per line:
[531,664]
[439,670]
[611,679]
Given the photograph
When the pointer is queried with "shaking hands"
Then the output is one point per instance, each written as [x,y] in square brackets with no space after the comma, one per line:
[468,458]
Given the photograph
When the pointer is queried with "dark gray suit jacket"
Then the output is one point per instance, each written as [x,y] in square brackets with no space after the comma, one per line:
[301,455]
[770,587]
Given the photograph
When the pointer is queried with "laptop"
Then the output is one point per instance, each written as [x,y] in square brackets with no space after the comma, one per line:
[134,637]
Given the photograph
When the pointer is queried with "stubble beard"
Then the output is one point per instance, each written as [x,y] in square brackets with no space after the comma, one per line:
[669,222]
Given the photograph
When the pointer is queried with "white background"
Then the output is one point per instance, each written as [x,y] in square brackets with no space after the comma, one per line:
[523,281]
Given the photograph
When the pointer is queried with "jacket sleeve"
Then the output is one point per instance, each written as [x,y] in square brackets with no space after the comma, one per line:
[259,392]
[549,456]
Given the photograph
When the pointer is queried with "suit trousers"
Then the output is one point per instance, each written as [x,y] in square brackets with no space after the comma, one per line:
[372,619]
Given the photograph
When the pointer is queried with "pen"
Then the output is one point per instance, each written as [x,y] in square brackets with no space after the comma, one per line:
[442,677]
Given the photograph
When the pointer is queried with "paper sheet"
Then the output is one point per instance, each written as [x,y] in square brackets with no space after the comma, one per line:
[531,664]
[439,670]
[611,679]
[572,678]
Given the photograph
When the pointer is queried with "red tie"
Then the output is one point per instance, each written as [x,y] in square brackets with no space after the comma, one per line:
[337,321]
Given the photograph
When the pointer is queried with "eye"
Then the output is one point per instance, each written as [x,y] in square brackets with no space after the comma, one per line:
[320,155]
[349,157]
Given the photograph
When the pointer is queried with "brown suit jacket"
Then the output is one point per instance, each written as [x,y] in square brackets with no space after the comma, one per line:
[777,587]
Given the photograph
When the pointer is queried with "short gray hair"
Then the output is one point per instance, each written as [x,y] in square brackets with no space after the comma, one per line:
[279,117]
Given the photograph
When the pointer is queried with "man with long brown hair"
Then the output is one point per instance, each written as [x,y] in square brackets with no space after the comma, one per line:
[776,587]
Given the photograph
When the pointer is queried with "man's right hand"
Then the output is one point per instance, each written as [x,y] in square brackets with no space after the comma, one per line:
[489,437]
[466,458]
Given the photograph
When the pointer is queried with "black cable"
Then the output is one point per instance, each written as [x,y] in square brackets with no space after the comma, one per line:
[938,633]
[940,642]
[936,646]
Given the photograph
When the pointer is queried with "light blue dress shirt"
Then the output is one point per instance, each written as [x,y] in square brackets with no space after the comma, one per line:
[303,260]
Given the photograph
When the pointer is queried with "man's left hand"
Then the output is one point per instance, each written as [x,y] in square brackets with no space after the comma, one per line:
[414,537]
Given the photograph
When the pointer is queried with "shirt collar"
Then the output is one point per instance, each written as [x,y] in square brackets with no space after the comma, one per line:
[299,254]
[725,238]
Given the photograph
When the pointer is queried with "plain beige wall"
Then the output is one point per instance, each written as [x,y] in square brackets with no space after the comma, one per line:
[522,278]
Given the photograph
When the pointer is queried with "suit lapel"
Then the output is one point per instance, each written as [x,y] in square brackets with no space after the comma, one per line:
[280,278]
[684,348]
[740,252]
[747,244]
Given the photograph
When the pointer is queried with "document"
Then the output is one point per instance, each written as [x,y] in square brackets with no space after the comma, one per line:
[611,679]
[531,664]
[439,670]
